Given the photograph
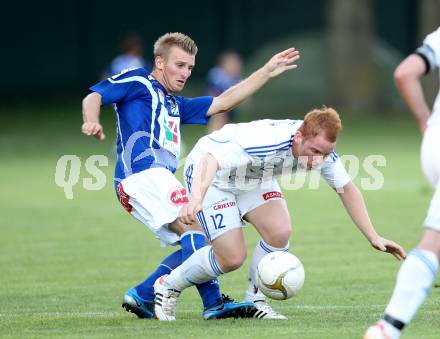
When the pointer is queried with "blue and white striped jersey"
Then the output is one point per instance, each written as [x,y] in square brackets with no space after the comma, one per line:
[148,120]
[258,151]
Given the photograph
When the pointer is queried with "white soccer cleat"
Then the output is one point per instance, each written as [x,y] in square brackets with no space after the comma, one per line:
[165,300]
[376,332]
[265,311]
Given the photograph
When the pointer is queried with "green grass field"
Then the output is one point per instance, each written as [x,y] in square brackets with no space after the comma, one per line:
[65,264]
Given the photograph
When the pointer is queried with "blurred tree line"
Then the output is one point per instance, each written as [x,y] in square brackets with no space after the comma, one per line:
[351,37]
[349,48]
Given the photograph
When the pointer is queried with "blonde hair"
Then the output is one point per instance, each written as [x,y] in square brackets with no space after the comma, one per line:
[324,119]
[163,45]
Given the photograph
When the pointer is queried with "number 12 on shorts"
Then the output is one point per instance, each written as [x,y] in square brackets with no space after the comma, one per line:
[217,220]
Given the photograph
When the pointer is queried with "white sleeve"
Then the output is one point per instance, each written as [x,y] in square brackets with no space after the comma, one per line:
[230,155]
[335,174]
[430,50]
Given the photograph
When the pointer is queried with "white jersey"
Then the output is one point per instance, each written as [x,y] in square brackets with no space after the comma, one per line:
[251,153]
[430,51]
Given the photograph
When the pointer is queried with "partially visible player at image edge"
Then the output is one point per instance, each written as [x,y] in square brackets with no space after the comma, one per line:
[419,270]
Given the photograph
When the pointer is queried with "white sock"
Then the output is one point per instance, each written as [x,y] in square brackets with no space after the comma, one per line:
[200,267]
[414,281]
[262,248]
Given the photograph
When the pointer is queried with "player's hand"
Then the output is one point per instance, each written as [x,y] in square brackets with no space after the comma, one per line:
[93,128]
[281,62]
[189,210]
[389,246]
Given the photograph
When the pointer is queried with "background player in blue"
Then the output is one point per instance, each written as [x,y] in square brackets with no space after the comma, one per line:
[224,75]
[132,56]
[148,145]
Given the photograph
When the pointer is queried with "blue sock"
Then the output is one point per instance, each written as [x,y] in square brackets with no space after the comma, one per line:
[210,290]
[145,288]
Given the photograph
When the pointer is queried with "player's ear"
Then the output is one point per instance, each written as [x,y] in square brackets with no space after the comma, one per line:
[298,137]
[159,62]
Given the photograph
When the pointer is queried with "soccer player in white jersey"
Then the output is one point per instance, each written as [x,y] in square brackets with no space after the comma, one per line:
[149,114]
[231,177]
[419,270]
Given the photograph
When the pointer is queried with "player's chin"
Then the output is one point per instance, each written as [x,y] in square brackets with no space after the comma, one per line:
[178,86]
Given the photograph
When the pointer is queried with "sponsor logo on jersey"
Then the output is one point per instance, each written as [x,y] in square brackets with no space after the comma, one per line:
[224,205]
[172,130]
[177,196]
[272,195]
[174,108]
[124,198]
[220,201]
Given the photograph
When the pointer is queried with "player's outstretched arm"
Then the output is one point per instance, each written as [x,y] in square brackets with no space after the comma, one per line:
[231,98]
[205,173]
[91,107]
[355,205]
[407,76]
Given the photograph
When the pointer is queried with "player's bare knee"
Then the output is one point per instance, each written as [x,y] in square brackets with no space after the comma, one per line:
[232,261]
[231,264]
[430,241]
[177,227]
[193,227]
[280,235]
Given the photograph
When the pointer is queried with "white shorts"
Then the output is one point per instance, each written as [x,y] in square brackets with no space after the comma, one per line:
[430,157]
[224,211]
[154,197]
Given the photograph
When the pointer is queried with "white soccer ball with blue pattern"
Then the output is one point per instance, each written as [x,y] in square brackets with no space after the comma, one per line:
[280,275]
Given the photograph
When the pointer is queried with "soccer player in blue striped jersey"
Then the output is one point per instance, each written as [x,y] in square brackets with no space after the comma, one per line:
[148,116]
[231,175]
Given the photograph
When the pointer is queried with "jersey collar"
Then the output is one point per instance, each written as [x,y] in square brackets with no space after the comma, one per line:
[158,84]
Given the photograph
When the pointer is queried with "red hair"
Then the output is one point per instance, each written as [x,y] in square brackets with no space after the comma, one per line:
[324,119]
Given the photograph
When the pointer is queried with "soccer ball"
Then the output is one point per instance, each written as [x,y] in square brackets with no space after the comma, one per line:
[280,275]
